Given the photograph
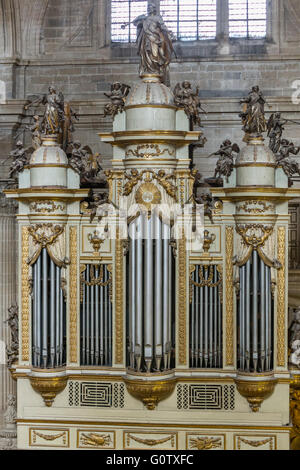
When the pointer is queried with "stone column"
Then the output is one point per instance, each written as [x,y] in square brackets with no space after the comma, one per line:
[8,289]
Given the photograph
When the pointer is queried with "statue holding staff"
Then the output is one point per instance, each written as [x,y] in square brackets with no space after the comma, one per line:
[154,42]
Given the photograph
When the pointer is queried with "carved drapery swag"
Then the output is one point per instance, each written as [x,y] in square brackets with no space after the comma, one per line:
[51,237]
[256,237]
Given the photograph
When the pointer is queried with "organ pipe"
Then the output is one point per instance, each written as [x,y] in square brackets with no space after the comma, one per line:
[206,317]
[96,316]
[255,312]
[149,295]
[48,314]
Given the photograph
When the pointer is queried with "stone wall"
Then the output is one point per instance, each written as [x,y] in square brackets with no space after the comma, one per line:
[67,43]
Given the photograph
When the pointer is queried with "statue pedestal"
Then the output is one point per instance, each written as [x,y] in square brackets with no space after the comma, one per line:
[8,438]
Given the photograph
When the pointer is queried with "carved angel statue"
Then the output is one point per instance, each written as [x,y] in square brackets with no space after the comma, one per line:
[20,158]
[154,41]
[12,352]
[10,414]
[253,115]
[77,155]
[133,178]
[35,129]
[289,166]
[275,130]
[294,329]
[225,163]
[188,99]
[117,96]
[294,358]
[68,125]
[54,111]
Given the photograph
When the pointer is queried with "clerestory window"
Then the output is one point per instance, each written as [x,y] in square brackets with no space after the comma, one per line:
[193,20]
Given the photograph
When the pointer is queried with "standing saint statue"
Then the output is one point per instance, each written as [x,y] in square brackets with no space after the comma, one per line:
[54,111]
[253,115]
[154,42]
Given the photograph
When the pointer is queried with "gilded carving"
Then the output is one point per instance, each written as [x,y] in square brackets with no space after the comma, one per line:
[251,443]
[208,240]
[95,440]
[151,442]
[48,387]
[119,301]
[49,437]
[148,194]
[205,443]
[253,239]
[229,296]
[151,392]
[25,295]
[73,295]
[40,238]
[281,342]
[259,207]
[182,296]
[96,241]
[156,151]
[43,207]
[255,391]
[161,177]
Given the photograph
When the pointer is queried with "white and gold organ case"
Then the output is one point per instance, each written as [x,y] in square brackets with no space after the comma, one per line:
[131,335]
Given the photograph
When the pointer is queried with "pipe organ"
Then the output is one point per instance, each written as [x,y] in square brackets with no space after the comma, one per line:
[206,291]
[150,280]
[96,315]
[48,314]
[138,328]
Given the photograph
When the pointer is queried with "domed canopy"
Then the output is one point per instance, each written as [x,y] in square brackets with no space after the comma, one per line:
[49,153]
[150,91]
[255,154]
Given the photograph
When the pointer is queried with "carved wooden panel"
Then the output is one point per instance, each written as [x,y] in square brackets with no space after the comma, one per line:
[44,437]
[150,440]
[252,442]
[204,441]
[95,439]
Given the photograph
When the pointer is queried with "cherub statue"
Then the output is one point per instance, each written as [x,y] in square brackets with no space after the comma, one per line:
[54,115]
[294,358]
[133,178]
[12,352]
[289,166]
[35,128]
[10,414]
[253,115]
[20,159]
[294,330]
[225,163]
[275,130]
[92,167]
[100,206]
[186,98]
[77,155]
[117,96]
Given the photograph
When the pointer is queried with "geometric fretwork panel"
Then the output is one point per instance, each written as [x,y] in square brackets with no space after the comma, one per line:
[205,397]
[96,394]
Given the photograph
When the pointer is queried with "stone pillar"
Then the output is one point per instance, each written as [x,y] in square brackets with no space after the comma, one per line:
[8,289]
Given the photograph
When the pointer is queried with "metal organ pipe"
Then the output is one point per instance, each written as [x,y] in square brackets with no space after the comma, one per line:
[148,297]
[149,294]
[255,327]
[206,317]
[48,313]
[139,293]
[158,293]
[96,316]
